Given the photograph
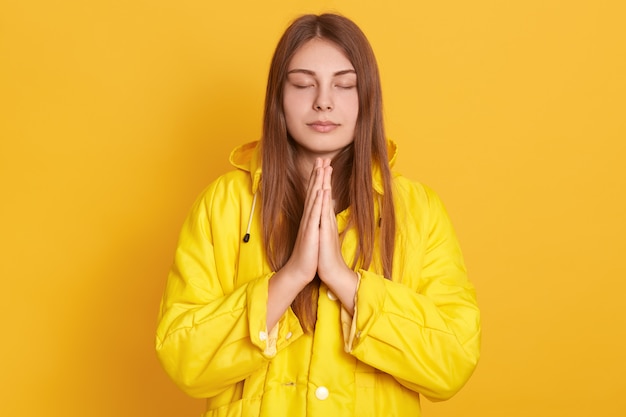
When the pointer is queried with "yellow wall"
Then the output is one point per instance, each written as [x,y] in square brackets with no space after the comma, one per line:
[115,114]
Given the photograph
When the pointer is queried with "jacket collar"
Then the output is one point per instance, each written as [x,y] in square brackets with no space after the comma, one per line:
[247,157]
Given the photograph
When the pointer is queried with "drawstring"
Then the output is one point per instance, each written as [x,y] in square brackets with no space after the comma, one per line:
[246,237]
[380,211]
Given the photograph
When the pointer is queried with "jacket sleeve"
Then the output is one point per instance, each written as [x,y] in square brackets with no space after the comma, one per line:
[211,334]
[427,336]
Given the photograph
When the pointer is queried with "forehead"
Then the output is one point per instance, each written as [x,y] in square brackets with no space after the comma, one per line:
[320,55]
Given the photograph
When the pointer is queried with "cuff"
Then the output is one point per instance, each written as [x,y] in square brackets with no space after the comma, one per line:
[368,305]
[282,334]
[348,322]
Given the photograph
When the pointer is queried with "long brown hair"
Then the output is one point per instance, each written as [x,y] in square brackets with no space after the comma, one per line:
[283,191]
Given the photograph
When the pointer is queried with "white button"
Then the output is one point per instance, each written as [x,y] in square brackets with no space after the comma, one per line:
[262,335]
[330,295]
[288,335]
[321,393]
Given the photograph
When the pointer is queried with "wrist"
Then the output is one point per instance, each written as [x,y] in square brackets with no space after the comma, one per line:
[293,277]
[344,286]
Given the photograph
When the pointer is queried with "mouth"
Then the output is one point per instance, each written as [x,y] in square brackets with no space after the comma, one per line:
[322,126]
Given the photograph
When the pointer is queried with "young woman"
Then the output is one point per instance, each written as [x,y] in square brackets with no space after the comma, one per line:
[311,281]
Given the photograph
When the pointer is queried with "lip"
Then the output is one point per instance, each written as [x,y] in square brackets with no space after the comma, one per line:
[322,126]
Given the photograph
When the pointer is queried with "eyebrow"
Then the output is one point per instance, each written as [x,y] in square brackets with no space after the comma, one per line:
[309,72]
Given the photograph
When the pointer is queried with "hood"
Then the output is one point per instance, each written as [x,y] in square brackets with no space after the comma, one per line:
[248,158]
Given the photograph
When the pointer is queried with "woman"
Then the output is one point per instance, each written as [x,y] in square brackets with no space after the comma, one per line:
[311,281]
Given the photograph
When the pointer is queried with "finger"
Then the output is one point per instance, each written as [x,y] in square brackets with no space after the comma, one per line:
[327,180]
[330,257]
[313,218]
[306,249]
[314,177]
[327,215]
[318,163]
[313,173]
[315,183]
[305,254]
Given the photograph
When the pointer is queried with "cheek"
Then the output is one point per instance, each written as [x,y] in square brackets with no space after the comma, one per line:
[292,105]
[292,113]
[287,109]
[352,108]
[296,97]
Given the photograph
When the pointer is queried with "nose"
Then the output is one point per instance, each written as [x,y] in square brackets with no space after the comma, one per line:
[323,100]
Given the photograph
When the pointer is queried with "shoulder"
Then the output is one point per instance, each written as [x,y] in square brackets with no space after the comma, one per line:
[231,181]
[405,188]
[416,200]
[225,192]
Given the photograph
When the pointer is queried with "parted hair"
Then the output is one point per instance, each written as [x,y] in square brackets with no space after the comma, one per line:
[282,189]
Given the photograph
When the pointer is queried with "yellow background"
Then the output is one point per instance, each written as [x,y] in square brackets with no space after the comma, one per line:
[115,114]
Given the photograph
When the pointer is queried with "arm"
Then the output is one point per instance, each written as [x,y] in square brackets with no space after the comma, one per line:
[424,330]
[210,334]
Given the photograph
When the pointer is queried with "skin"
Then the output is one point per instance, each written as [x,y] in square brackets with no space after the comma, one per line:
[321,108]
[320,102]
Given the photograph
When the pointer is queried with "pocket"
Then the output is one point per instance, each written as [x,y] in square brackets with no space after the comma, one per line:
[240,408]
[229,410]
[365,384]
[379,395]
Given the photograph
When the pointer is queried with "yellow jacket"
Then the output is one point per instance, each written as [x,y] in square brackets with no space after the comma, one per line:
[418,333]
